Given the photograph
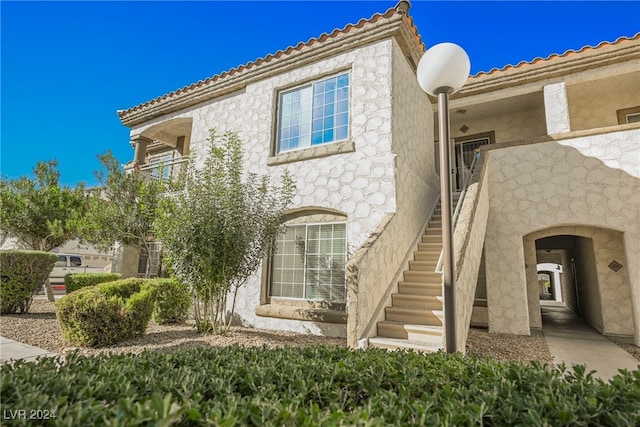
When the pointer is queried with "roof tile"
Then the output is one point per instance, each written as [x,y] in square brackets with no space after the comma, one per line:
[553,56]
[269,57]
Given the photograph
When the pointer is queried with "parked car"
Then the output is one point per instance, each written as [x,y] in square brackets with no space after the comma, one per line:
[69,264]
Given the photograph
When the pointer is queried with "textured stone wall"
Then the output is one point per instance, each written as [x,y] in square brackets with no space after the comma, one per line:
[360,183]
[376,267]
[588,181]
[468,243]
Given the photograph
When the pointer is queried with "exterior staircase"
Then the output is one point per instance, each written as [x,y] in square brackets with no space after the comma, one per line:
[415,319]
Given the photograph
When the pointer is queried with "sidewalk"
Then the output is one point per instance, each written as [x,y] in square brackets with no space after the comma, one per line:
[572,341]
[10,349]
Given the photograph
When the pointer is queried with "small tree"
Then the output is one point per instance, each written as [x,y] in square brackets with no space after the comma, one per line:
[216,228]
[124,208]
[40,213]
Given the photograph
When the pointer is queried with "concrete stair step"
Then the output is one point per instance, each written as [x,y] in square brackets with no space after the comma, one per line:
[422,277]
[423,265]
[422,333]
[414,316]
[401,344]
[433,232]
[426,247]
[435,224]
[431,289]
[426,256]
[422,302]
[432,238]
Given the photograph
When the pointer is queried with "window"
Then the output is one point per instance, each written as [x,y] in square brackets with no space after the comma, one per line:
[309,263]
[154,254]
[633,118]
[629,115]
[314,114]
[62,261]
[75,261]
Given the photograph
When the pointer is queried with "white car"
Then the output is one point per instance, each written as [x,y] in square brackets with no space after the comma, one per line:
[69,264]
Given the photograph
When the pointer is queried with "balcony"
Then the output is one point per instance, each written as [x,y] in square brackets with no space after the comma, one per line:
[164,169]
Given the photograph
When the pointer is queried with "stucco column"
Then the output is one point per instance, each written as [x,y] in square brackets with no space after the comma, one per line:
[556,108]
[140,145]
[531,275]
[506,282]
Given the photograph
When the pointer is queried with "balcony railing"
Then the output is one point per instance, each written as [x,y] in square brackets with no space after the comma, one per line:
[463,193]
[165,170]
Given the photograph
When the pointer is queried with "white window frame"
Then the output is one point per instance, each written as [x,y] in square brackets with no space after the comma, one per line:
[304,275]
[279,118]
[153,256]
[633,118]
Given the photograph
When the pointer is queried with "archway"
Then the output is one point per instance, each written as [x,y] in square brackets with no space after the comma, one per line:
[554,271]
[595,285]
[545,281]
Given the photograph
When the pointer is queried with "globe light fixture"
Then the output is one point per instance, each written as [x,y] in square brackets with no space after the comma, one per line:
[444,67]
[443,70]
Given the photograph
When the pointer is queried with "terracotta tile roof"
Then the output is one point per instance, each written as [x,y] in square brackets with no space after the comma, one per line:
[554,56]
[277,55]
[159,103]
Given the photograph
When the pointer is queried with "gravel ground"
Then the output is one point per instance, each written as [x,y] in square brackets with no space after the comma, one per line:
[627,345]
[506,347]
[40,328]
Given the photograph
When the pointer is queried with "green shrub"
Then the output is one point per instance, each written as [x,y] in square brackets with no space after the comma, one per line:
[172,301]
[22,274]
[73,282]
[106,314]
[315,386]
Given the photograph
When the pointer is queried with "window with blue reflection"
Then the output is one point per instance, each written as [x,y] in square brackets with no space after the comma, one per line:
[314,114]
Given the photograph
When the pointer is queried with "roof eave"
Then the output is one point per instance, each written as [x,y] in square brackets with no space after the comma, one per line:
[552,68]
[397,25]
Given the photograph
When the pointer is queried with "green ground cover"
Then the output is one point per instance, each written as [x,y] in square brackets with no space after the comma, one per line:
[311,386]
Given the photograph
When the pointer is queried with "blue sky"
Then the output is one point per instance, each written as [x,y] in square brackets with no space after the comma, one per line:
[68,66]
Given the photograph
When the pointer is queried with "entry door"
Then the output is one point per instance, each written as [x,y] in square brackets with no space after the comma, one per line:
[464,153]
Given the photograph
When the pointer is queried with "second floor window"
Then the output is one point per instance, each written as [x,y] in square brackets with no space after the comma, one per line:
[317,113]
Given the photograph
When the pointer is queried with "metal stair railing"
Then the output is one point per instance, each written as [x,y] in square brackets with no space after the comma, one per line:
[456,212]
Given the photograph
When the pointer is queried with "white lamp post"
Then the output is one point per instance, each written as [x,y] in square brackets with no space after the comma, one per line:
[443,70]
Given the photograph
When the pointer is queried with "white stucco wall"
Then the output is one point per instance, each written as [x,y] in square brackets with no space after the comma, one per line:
[556,107]
[361,184]
[375,270]
[585,180]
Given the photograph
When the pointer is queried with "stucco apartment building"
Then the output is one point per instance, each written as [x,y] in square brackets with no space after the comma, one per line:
[549,151]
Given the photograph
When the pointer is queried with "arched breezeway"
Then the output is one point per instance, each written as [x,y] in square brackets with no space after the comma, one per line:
[595,284]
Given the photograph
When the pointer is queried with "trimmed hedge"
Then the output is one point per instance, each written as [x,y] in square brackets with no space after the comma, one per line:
[172,301]
[22,274]
[107,313]
[315,386]
[73,282]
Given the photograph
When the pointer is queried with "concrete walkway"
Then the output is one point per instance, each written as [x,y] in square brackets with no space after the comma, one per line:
[572,341]
[10,349]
